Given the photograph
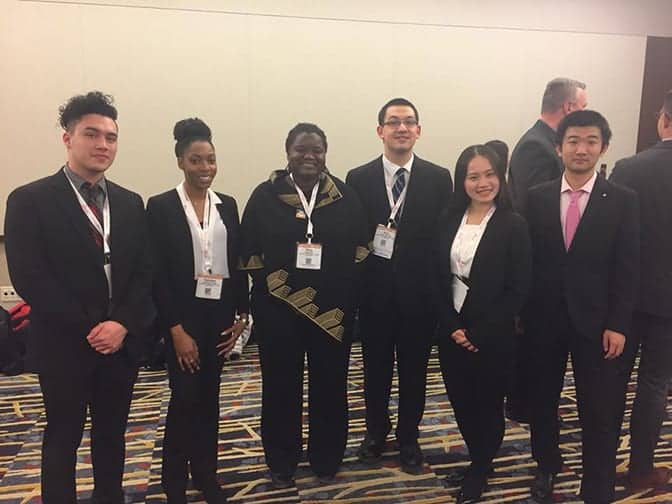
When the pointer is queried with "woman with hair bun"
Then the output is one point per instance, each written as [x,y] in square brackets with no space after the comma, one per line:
[202,301]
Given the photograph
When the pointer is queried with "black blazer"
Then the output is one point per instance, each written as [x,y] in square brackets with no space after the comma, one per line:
[649,174]
[405,276]
[499,280]
[174,283]
[57,268]
[534,160]
[597,277]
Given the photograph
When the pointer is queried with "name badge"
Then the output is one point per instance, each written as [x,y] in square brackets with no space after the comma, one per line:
[383,241]
[209,286]
[460,290]
[308,256]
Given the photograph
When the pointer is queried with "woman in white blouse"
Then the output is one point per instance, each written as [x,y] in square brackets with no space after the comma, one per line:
[482,272]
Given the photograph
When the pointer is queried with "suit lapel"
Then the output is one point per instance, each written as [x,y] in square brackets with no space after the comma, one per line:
[413,204]
[553,205]
[591,215]
[379,190]
[65,197]
[487,242]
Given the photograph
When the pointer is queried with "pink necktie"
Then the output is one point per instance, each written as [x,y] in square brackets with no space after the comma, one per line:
[572,217]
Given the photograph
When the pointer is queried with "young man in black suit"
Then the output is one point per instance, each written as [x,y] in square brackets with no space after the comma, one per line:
[585,241]
[534,160]
[403,196]
[649,174]
[76,250]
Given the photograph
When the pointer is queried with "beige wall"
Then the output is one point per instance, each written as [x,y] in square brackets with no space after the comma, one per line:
[253,69]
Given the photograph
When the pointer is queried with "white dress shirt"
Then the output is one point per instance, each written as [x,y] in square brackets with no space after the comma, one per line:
[565,198]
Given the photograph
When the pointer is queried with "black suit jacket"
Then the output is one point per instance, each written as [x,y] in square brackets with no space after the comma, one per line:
[174,284]
[597,277]
[499,280]
[649,174]
[57,268]
[534,160]
[406,275]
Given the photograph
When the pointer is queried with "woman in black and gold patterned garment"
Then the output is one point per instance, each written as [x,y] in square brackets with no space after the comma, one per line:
[303,305]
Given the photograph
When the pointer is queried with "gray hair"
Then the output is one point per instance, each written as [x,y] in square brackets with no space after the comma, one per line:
[558,91]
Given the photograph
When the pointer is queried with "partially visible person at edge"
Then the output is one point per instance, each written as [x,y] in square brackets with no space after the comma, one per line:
[649,174]
[304,235]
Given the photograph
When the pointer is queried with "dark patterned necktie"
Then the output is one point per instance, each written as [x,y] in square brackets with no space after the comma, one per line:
[397,189]
[90,199]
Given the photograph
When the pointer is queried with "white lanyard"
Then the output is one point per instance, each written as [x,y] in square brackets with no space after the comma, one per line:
[104,230]
[205,233]
[307,207]
[394,207]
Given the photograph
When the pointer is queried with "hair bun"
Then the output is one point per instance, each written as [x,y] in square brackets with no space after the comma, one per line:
[191,128]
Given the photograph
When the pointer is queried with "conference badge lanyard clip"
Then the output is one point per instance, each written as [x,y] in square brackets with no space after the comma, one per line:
[309,254]
[383,239]
[104,231]
[208,285]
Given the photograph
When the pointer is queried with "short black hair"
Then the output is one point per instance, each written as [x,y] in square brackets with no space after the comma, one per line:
[396,102]
[93,102]
[460,198]
[188,131]
[667,103]
[304,128]
[502,150]
[583,118]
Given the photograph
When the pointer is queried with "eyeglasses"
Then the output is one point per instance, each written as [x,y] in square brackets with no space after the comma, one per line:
[396,123]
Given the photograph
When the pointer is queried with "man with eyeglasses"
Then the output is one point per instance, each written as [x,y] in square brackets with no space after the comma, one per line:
[649,174]
[403,196]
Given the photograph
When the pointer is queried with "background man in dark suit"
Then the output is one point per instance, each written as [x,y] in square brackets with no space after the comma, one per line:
[534,160]
[76,250]
[649,174]
[403,196]
[585,240]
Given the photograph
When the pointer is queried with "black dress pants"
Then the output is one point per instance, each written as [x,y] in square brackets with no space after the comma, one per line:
[105,390]
[476,383]
[285,338]
[600,391]
[653,380]
[192,423]
[386,334]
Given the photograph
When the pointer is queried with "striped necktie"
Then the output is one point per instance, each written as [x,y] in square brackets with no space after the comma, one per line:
[89,191]
[397,189]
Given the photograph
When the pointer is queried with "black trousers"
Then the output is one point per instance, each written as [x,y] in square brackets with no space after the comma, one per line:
[285,338]
[600,390]
[385,334]
[105,390]
[192,424]
[476,383]
[653,380]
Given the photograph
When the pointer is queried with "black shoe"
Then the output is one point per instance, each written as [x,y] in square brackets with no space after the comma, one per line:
[370,450]
[411,458]
[472,487]
[455,476]
[214,494]
[282,481]
[326,479]
[542,486]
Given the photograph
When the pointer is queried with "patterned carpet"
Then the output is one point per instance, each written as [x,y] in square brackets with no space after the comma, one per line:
[242,471]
